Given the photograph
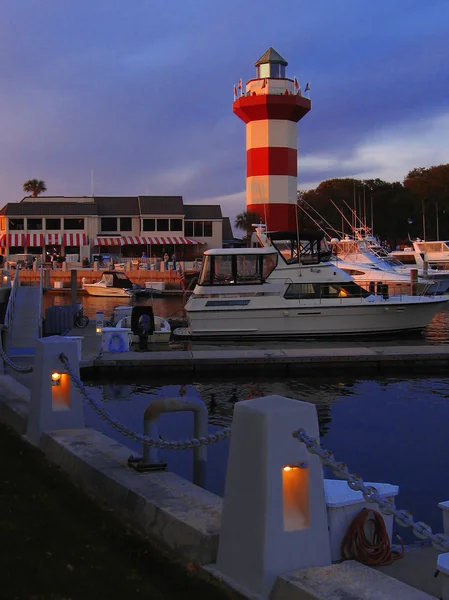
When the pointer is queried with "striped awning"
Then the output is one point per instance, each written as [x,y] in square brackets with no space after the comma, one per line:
[10,240]
[36,239]
[74,239]
[159,241]
[107,241]
[53,239]
[135,239]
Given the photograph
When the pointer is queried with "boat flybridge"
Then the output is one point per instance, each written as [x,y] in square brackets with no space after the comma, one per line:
[287,286]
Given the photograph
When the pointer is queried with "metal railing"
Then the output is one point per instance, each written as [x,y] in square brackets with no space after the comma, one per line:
[9,315]
[39,304]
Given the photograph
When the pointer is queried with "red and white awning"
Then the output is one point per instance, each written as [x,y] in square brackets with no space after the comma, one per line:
[53,239]
[74,239]
[107,241]
[13,240]
[159,241]
[135,240]
[36,240]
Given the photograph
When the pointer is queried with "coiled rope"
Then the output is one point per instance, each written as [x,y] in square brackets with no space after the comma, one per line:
[374,552]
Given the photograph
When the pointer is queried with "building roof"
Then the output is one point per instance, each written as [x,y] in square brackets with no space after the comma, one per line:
[227,229]
[48,209]
[271,56]
[117,205]
[161,205]
[202,211]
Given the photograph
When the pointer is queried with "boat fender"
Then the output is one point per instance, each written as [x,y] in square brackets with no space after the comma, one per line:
[112,346]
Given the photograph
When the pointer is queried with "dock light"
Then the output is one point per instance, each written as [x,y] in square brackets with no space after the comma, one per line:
[295,492]
[99,322]
[55,378]
[5,278]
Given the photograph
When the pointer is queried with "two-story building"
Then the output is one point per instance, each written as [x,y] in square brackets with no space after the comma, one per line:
[123,226]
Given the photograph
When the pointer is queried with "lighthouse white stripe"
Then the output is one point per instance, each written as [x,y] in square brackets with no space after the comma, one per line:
[271,189]
[271,134]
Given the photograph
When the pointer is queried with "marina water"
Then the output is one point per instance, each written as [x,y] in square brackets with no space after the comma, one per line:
[387,429]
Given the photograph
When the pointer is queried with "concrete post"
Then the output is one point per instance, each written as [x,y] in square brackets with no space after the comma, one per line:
[274,516]
[73,285]
[55,402]
[443,568]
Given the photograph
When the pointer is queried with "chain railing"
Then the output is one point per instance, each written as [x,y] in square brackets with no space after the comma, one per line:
[11,365]
[137,437]
[403,517]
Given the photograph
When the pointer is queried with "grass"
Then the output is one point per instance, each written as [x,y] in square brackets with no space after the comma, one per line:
[58,545]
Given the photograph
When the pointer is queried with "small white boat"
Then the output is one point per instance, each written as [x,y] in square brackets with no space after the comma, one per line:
[162,329]
[111,284]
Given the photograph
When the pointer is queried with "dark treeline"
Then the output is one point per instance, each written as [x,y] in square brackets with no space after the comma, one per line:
[417,207]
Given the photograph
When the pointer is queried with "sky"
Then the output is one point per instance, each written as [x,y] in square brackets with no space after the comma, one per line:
[135,96]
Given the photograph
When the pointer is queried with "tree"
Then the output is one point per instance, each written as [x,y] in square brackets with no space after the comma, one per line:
[430,189]
[246,220]
[35,186]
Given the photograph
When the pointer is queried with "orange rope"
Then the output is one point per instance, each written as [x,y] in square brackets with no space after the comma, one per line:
[375,552]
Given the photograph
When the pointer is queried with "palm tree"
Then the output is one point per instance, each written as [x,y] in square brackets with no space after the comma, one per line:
[246,220]
[35,186]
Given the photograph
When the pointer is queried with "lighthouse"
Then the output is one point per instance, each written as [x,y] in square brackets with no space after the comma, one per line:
[271,106]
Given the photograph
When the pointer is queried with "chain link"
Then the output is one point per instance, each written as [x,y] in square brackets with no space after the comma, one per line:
[14,367]
[136,437]
[403,518]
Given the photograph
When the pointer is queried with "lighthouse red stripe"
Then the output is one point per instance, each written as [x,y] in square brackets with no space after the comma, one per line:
[271,161]
[277,217]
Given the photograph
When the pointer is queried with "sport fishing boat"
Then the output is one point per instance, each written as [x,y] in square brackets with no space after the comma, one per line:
[288,286]
[115,284]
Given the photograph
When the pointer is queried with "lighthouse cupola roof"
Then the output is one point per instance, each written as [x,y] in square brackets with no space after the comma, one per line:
[271,64]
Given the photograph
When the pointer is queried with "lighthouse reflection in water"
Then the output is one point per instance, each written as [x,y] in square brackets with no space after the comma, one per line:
[388,430]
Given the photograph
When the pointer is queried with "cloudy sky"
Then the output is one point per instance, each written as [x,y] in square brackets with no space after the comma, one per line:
[140,92]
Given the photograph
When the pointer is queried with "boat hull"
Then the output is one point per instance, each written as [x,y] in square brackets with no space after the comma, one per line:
[367,317]
[96,290]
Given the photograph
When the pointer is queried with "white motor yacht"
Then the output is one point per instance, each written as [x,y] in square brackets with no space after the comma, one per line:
[366,261]
[288,287]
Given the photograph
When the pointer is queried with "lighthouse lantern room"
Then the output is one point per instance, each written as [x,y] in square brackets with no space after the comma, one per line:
[271,106]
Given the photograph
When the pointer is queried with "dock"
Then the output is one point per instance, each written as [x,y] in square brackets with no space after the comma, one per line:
[363,358]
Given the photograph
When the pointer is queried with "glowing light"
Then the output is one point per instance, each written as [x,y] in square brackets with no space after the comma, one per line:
[56,376]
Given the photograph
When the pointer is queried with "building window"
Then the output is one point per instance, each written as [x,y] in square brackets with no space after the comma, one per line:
[52,224]
[162,225]
[188,228]
[207,229]
[198,228]
[126,224]
[108,224]
[149,224]
[77,224]
[175,224]
[34,224]
[2,224]
[16,224]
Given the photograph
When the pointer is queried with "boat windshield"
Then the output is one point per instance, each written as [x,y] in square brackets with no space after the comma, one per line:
[348,289]
[236,269]
[116,279]
[311,251]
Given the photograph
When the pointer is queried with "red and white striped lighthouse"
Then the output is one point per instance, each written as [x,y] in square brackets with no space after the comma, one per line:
[271,106]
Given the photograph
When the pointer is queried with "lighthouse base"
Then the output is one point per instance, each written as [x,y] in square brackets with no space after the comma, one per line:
[276,217]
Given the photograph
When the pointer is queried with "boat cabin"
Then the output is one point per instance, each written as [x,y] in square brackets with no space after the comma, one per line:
[116,279]
[237,266]
[303,247]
